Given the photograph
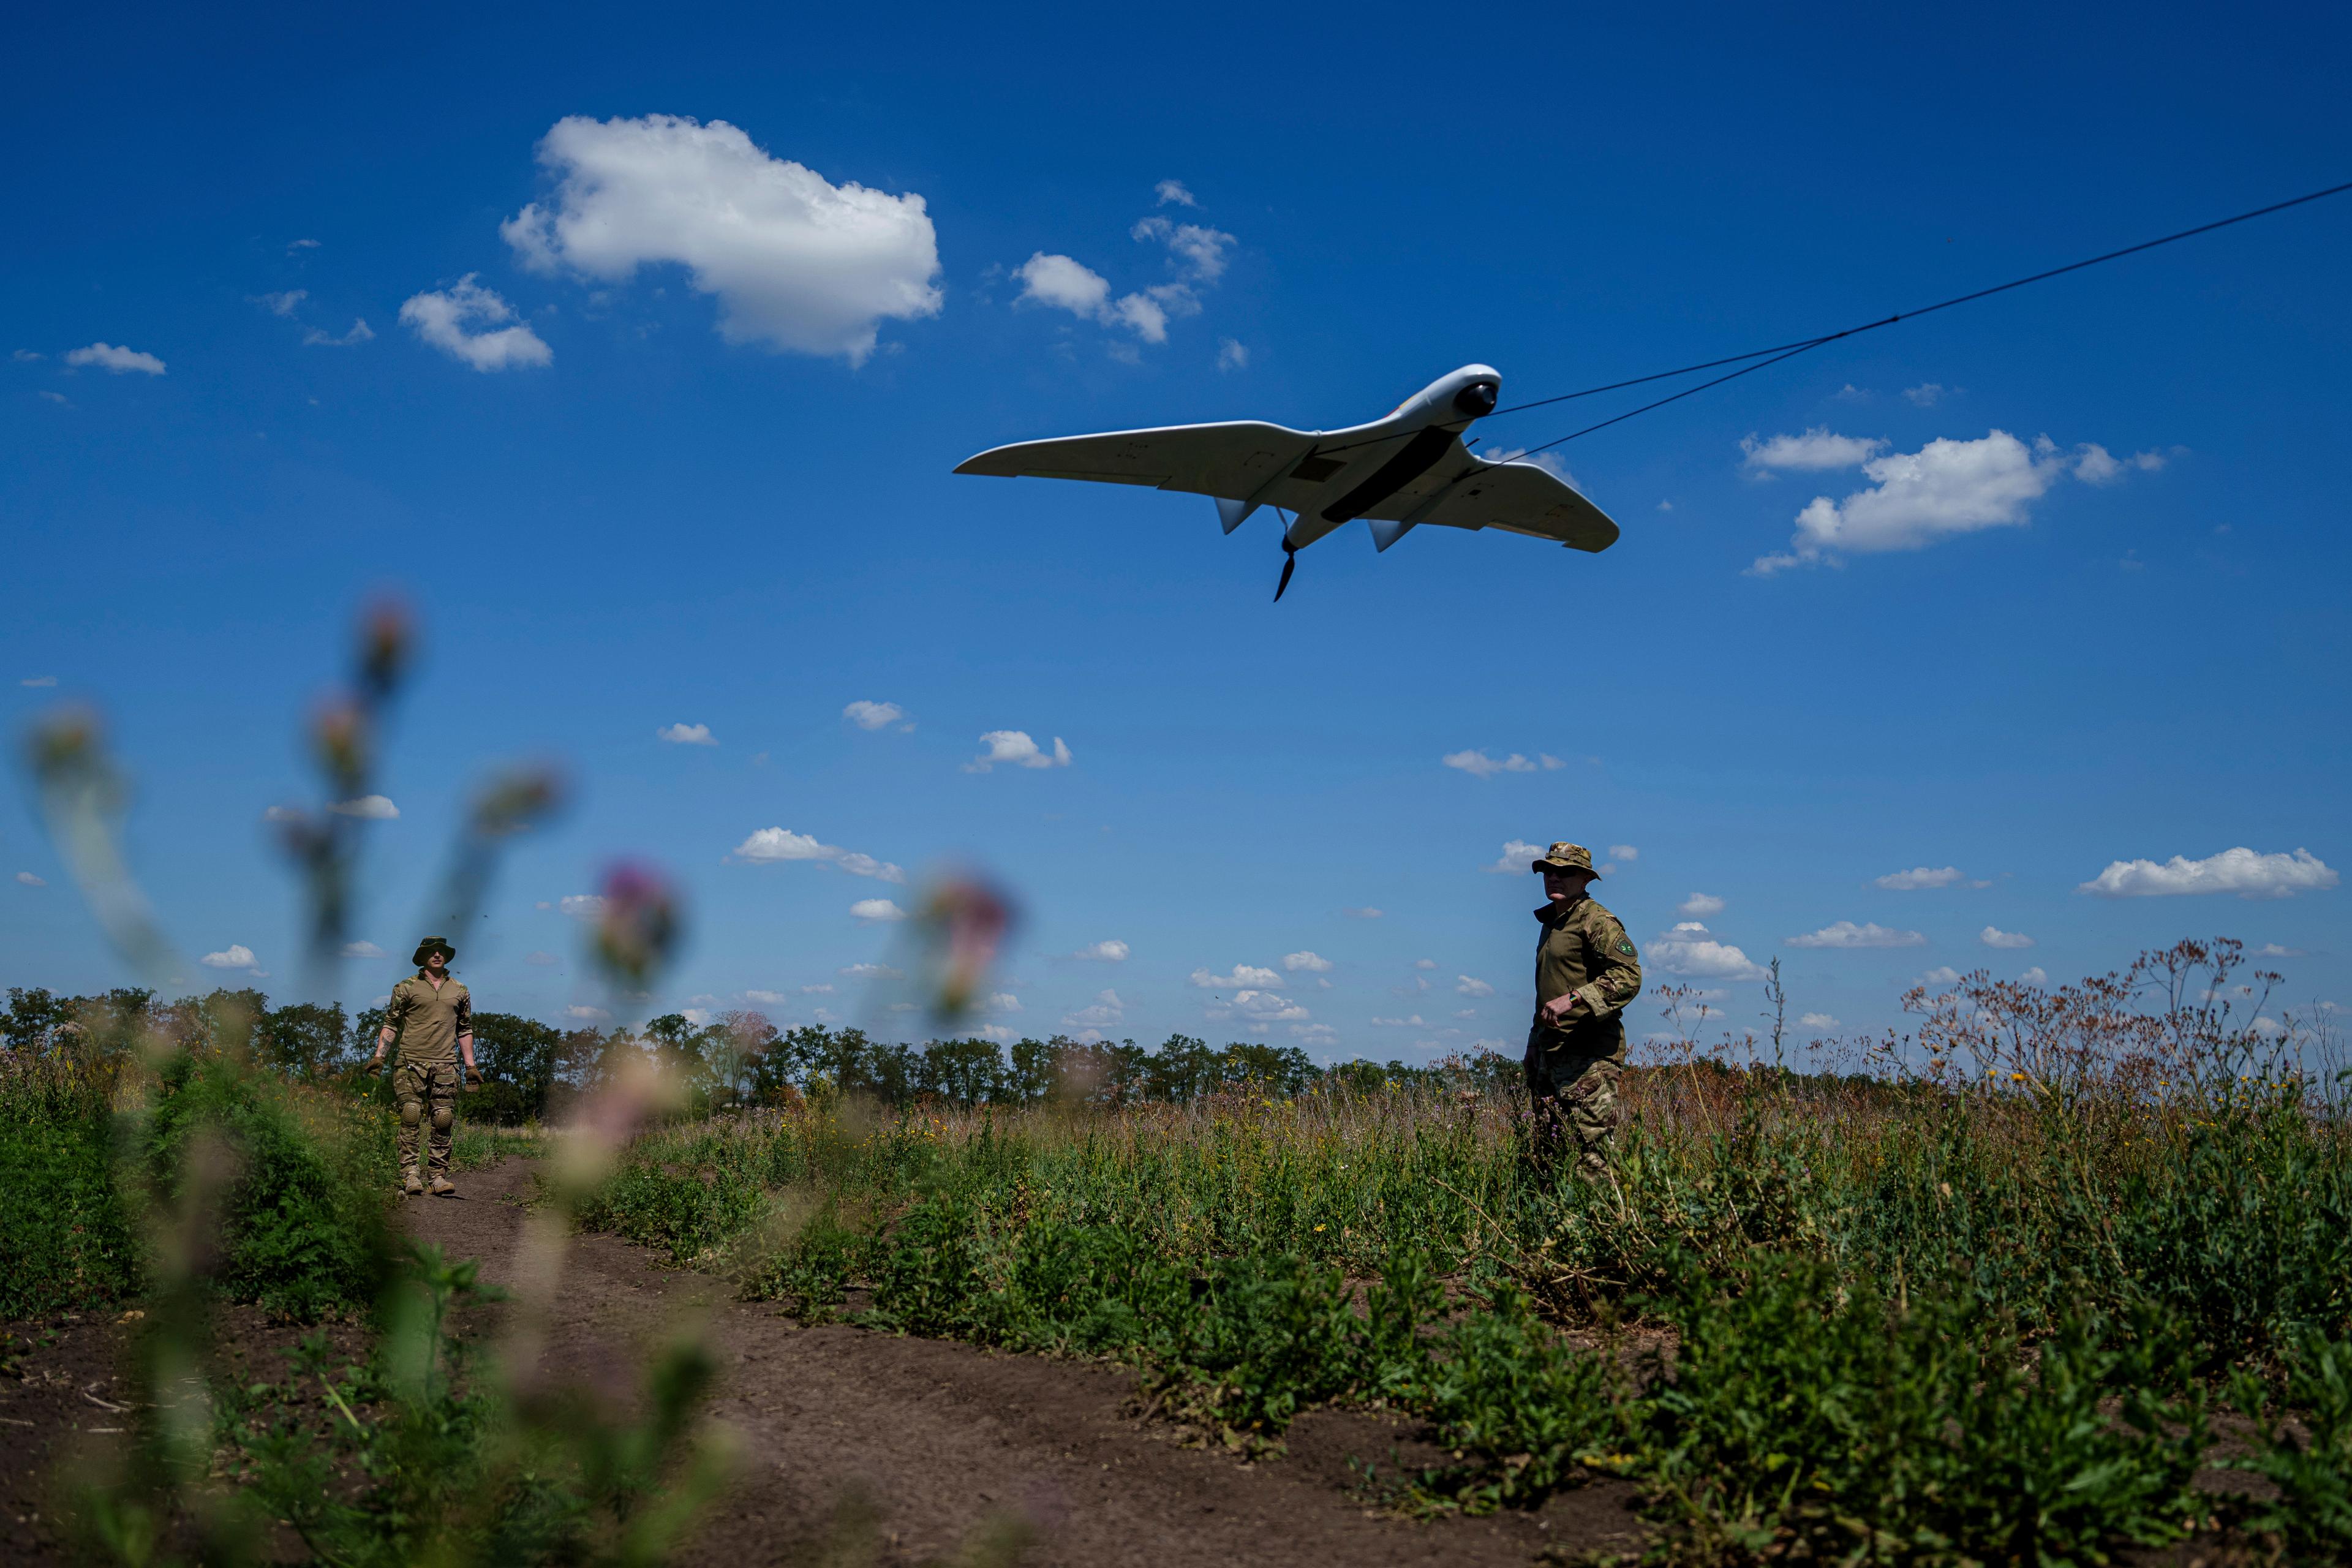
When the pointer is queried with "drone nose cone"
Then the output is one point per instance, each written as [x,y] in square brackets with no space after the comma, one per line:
[1477,399]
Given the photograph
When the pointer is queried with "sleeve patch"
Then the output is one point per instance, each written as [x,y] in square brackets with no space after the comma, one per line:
[1625,947]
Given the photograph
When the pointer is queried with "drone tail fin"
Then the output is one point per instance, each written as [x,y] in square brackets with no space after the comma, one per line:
[1232,512]
[1386,532]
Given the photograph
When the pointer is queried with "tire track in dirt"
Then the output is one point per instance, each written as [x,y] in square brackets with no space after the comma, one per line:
[944,1439]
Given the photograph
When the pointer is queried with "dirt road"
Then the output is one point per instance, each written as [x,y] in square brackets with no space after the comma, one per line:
[944,1441]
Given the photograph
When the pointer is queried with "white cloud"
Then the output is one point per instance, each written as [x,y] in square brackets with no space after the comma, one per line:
[280,304]
[1993,936]
[2272,949]
[462,322]
[1232,354]
[364,949]
[1926,394]
[1412,1022]
[2037,975]
[236,955]
[59,398]
[1315,1033]
[2094,465]
[1015,747]
[1942,974]
[1103,1012]
[997,1033]
[820,989]
[1424,964]
[1919,876]
[1478,765]
[2239,871]
[1262,1008]
[117,360]
[1063,283]
[30,880]
[582,906]
[1312,963]
[1173,191]
[1518,856]
[1624,852]
[1814,450]
[869,715]
[361,332]
[769,846]
[301,245]
[876,910]
[1698,906]
[1109,951]
[1690,952]
[687,735]
[542,960]
[1817,1021]
[999,1002]
[38,681]
[1244,976]
[767,999]
[583,1015]
[1845,933]
[1362,914]
[868,972]
[1944,489]
[1198,250]
[1470,988]
[794,260]
[373,807]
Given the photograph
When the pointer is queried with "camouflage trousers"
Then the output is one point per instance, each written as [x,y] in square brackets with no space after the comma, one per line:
[427,1092]
[1571,1101]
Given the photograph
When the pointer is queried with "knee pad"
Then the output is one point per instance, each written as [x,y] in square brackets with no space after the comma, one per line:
[410,1112]
[442,1118]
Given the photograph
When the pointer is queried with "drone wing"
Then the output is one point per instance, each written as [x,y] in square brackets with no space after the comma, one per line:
[1518,498]
[1233,461]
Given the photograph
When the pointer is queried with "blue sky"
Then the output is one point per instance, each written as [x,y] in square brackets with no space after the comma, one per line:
[2071,596]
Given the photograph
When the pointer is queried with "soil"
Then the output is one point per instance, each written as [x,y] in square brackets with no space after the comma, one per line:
[862,1446]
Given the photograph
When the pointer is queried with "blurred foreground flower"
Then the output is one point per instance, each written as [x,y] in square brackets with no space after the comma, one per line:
[83,798]
[962,924]
[637,932]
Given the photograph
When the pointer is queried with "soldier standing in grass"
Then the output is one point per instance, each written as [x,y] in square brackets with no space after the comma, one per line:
[1586,971]
[432,1014]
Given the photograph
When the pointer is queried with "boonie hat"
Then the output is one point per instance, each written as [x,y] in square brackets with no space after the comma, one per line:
[1564,856]
[430,944]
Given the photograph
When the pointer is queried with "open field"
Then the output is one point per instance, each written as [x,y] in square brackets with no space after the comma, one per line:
[2036,1286]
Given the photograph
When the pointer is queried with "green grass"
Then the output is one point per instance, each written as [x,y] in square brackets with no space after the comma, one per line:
[66,1240]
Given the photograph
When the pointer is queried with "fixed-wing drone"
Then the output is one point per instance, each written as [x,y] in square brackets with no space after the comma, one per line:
[1396,473]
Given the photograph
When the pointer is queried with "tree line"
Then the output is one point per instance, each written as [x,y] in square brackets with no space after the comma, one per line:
[735,1058]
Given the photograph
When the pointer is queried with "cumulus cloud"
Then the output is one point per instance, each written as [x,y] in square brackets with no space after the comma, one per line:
[1232,354]
[372,807]
[1109,951]
[2272,949]
[1690,952]
[869,715]
[1173,191]
[1479,765]
[1845,933]
[2239,871]
[1102,1013]
[1993,936]
[876,909]
[1312,963]
[1015,749]
[582,906]
[1946,488]
[1470,988]
[1625,852]
[38,681]
[581,1014]
[1518,856]
[1262,1008]
[1813,451]
[795,261]
[868,972]
[361,332]
[115,359]
[1198,251]
[1698,906]
[2094,465]
[30,880]
[1926,394]
[687,735]
[462,321]
[236,955]
[364,949]
[1362,914]
[1817,1021]
[1064,283]
[1244,976]
[280,304]
[769,846]
[1919,876]
[1942,974]
[2037,975]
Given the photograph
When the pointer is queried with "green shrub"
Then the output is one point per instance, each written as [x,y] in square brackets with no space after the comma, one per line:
[65,1238]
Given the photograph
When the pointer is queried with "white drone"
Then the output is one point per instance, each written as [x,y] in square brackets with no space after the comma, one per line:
[1396,473]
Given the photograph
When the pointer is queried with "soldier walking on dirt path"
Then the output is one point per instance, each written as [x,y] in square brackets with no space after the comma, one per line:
[1586,972]
[432,1014]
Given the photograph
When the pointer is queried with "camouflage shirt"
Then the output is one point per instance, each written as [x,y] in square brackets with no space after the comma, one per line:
[1584,950]
[430,1019]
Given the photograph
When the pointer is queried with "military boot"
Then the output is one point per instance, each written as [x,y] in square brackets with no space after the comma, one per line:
[412,1185]
[443,1187]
